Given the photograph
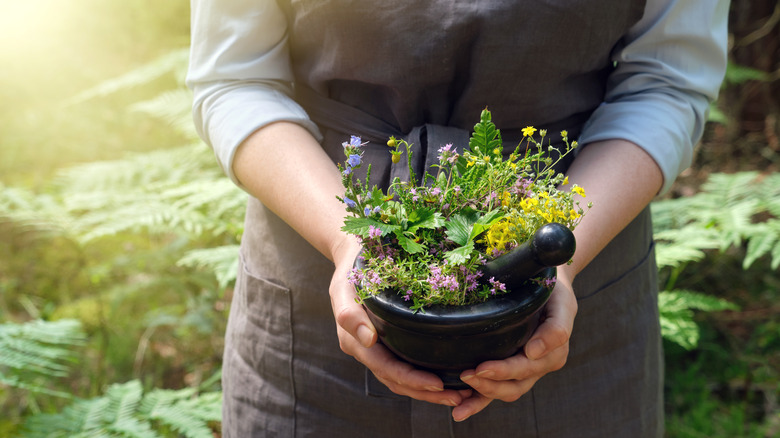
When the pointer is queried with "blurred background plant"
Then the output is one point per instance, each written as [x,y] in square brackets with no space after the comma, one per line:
[118,234]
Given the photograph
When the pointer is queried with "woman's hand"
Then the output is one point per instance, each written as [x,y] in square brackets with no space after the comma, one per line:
[546,351]
[358,338]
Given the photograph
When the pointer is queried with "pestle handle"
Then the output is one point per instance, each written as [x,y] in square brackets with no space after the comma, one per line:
[552,245]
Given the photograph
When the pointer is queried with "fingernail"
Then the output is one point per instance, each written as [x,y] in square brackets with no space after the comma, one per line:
[365,336]
[534,349]
[488,374]
[434,388]
[467,377]
[449,402]
[459,418]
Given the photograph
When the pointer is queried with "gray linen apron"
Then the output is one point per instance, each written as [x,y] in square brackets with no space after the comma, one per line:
[423,70]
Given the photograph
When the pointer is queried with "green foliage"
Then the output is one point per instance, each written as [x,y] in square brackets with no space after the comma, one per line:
[125,411]
[677,317]
[731,210]
[738,74]
[485,137]
[33,353]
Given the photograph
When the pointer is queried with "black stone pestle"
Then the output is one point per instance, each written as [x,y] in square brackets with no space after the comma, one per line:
[552,245]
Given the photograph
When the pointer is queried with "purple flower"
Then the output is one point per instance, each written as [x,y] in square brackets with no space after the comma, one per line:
[355,276]
[367,211]
[408,295]
[447,154]
[374,232]
[439,281]
[347,171]
[521,187]
[354,160]
[350,203]
[354,142]
[436,191]
[496,286]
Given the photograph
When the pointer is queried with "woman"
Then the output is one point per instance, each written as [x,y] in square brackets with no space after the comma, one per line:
[280,85]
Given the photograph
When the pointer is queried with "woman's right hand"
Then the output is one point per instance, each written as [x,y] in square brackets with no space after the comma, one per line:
[358,338]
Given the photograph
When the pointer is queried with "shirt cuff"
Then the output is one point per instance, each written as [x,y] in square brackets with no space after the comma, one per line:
[238,111]
[663,126]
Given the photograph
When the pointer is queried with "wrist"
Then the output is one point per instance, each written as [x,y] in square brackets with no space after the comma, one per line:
[344,250]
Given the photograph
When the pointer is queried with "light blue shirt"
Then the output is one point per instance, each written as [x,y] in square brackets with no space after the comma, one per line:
[669,69]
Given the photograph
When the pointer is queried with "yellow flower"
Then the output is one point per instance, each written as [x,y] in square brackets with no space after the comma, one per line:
[565,180]
[564,133]
[578,190]
[506,198]
[528,131]
[496,151]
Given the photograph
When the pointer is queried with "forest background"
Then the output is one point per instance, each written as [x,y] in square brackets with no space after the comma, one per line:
[118,234]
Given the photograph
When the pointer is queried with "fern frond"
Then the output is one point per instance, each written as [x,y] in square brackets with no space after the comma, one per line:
[222,261]
[37,349]
[173,107]
[183,410]
[677,317]
[174,62]
[677,246]
[124,411]
[731,209]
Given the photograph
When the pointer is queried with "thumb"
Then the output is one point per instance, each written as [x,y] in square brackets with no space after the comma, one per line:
[349,313]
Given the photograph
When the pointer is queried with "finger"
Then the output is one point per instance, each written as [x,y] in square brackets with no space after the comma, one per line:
[470,406]
[446,397]
[390,370]
[350,315]
[401,377]
[555,330]
[509,379]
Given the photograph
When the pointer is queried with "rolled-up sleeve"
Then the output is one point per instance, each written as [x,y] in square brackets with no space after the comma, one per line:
[239,72]
[668,70]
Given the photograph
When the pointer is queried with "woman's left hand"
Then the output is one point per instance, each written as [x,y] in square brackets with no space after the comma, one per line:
[547,350]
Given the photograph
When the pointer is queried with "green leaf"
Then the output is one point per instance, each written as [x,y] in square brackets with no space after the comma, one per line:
[759,244]
[359,226]
[485,222]
[486,136]
[461,254]
[460,226]
[679,327]
[776,256]
[424,218]
[409,245]
[737,74]
[677,317]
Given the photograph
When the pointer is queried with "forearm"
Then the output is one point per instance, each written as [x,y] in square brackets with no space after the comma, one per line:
[620,179]
[284,167]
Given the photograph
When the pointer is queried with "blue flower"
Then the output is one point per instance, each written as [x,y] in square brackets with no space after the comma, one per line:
[354,160]
[347,171]
[367,211]
[350,203]
[355,141]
